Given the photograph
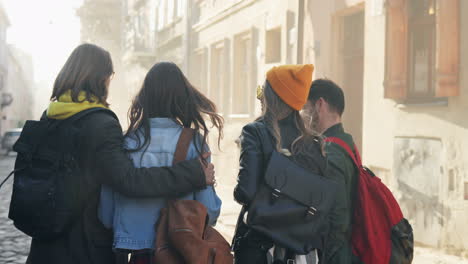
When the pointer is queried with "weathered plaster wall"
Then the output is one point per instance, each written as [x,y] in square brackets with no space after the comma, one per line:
[433,139]
[437,211]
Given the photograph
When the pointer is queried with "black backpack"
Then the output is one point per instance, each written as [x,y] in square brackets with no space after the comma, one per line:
[47,193]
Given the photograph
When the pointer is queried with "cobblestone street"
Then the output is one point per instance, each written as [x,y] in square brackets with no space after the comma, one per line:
[14,245]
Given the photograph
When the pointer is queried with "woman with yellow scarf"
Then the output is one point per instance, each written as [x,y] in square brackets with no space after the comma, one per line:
[83,84]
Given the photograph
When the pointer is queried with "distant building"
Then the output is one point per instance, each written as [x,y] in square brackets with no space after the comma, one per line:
[102,23]
[19,85]
[5,98]
[139,41]
[173,23]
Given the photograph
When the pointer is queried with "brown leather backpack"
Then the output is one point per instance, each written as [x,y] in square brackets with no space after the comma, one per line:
[183,233]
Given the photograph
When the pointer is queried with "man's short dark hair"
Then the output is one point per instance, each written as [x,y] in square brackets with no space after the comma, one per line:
[330,92]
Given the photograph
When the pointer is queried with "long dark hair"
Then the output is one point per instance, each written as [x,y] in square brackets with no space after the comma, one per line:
[87,70]
[275,109]
[166,92]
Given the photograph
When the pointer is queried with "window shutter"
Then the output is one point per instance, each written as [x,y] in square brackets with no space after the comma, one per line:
[448,48]
[396,68]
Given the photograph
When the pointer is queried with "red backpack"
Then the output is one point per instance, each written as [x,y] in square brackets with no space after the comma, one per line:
[380,234]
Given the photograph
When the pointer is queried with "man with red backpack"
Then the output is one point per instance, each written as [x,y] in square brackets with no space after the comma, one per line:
[366,224]
[325,107]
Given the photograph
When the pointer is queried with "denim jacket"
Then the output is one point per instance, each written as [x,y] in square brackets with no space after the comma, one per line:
[133,220]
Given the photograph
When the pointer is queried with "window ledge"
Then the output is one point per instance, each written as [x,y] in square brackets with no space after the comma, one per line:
[432,102]
[239,116]
[170,24]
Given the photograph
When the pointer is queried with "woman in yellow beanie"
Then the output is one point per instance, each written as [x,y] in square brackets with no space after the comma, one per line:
[279,129]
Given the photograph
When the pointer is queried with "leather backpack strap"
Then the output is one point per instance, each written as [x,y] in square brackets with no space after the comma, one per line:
[183,145]
[355,156]
[180,154]
[165,250]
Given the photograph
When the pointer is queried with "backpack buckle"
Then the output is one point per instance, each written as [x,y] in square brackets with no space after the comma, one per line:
[311,210]
[275,194]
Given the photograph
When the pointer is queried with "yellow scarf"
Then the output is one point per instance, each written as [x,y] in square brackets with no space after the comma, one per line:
[65,107]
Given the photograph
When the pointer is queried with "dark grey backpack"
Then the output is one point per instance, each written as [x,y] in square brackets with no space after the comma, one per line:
[46,194]
[292,205]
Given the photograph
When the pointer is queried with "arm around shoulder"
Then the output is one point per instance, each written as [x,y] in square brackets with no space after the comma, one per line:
[208,196]
[115,169]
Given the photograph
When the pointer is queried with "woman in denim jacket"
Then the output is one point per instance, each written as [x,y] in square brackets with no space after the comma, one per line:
[165,105]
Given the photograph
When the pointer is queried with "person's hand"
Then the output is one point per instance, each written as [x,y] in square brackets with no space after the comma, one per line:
[208,169]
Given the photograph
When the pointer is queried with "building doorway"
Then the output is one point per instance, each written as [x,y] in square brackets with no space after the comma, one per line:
[351,65]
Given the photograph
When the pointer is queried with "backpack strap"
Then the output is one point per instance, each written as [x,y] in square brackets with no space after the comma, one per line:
[183,145]
[7,177]
[181,151]
[354,155]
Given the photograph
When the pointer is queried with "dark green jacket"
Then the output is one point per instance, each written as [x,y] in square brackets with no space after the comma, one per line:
[342,170]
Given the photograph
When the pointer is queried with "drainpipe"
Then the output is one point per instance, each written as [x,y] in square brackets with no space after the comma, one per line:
[300,32]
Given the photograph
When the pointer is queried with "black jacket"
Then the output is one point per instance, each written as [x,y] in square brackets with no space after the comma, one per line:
[256,148]
[103,160]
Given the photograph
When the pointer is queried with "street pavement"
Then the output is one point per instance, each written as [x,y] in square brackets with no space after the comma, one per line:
[14,245]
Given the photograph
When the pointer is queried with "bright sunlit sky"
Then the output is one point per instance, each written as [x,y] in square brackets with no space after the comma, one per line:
[46,29]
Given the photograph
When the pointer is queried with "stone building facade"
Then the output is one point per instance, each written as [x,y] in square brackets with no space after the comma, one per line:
[16,82]
[19,84]
[404,76]
[103,24]
[5,98]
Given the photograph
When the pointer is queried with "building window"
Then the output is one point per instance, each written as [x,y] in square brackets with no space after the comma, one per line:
[273,46]
[422,43]
[161,14]
[422,49]
[243,87]
[451,183]
[181,7]
[466,190]
[217,79]
[199,71]
[141,31]
[170,11]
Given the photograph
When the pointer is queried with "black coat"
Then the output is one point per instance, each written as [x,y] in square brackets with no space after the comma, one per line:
[103,160]
[256,148]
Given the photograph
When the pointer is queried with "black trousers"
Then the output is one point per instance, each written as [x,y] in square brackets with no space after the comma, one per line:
[252,248]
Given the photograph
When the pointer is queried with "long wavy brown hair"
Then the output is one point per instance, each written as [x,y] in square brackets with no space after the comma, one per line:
[166,93]
[274,110]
